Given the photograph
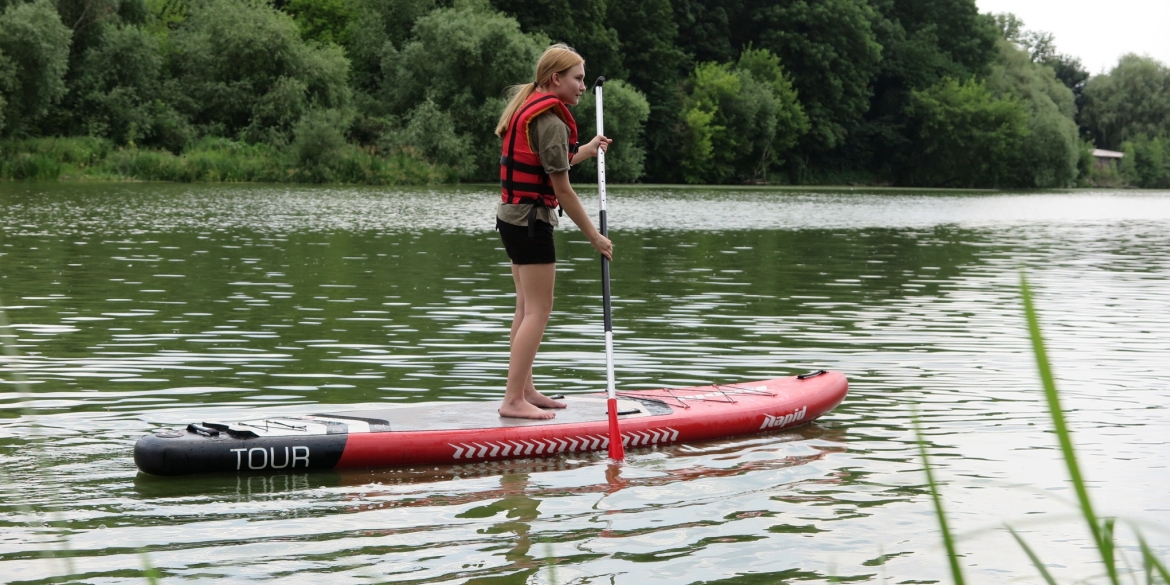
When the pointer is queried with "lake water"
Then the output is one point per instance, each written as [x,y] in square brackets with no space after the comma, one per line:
[141,307]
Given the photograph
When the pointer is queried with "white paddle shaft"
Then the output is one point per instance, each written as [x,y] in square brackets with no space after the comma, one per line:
[611,385]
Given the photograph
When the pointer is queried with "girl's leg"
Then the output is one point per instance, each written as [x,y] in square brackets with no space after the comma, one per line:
[534,298]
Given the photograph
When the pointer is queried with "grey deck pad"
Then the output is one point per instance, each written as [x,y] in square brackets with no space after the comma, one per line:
[438,416]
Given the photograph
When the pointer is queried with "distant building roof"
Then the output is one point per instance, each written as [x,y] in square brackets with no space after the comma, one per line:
[1097,152]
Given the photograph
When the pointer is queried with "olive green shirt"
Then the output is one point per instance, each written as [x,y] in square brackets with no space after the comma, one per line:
[549,138]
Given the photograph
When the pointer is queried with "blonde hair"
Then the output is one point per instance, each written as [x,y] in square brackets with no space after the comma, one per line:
[558,58]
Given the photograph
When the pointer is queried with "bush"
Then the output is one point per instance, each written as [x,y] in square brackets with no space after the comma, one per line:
[318,145]
[626,111]
[966,137]
[45,159]
[1147,162]
[430,134]
[26,166]
[740,121]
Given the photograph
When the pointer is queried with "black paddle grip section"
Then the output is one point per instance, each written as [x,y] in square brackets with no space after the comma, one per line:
[606,302]
[188,452]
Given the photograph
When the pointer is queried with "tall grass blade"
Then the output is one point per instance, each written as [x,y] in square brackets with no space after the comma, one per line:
[1035,559]
[948,539]
[148,570]
[1062,432]
[1152,562]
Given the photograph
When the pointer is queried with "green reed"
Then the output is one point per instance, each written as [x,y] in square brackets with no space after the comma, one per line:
[1102,529]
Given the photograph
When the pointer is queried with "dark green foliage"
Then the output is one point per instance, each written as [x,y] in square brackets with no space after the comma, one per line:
[706,28]
[318,145]
[922,42]
[1147,162]
[965,136]
[1132,99]
[377,28]
[1051,152]
[324,21]
[868,91]
[655,62]
[581,24]
[626,111]
[34,51]
[462,60]
[430,135]
[829,48]
[242,69]
[1071,73]
[115,92]
[740,121]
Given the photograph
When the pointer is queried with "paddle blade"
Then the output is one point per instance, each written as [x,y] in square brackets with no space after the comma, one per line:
[617,451]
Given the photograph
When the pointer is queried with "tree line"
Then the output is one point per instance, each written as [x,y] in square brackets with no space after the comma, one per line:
[905,92]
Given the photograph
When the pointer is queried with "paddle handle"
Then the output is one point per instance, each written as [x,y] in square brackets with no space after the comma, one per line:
[616,449]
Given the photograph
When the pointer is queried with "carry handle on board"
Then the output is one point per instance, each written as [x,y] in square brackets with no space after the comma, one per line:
[617,451]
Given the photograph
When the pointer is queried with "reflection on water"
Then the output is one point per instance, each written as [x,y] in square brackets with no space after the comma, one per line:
[135,307]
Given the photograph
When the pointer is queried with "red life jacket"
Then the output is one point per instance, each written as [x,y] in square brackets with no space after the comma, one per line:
[522,176]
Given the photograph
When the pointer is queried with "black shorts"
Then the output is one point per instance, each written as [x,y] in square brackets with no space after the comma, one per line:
[524,249]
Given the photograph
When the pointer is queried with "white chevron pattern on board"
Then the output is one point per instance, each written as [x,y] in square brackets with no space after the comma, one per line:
[565,445]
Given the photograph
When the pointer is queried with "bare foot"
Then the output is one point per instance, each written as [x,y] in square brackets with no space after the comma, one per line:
[541,401]
[523,409]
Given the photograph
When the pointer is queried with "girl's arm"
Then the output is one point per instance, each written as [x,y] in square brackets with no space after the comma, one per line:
[589,149]
[572,206]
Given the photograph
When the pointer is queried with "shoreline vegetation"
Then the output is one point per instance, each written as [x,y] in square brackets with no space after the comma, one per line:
[839,92]
[217,160]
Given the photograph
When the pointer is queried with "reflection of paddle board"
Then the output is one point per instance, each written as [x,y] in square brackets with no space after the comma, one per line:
[458,432]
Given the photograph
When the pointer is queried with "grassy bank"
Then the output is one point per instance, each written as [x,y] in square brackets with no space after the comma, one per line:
[211,160]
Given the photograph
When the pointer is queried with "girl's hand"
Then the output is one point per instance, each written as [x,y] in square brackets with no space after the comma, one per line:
[603,245]
[589,149]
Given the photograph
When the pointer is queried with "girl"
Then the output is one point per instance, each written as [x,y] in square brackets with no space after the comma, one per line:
[540,144]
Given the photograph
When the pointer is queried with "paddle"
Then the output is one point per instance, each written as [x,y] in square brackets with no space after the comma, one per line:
[617,451]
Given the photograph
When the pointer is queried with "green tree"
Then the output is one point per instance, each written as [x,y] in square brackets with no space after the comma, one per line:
[656,65]
[829,48]
[706,29]
[922,42]
[1147,162]
[462,59]
[740,120]
[626,111]
[7,82]
[115,91]
[243,70]
[582,24]
[378,30]
[1041,48]
[1133,99]
[35,48]
[1052,149]
[430,135]
[965,136]
[324,21]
